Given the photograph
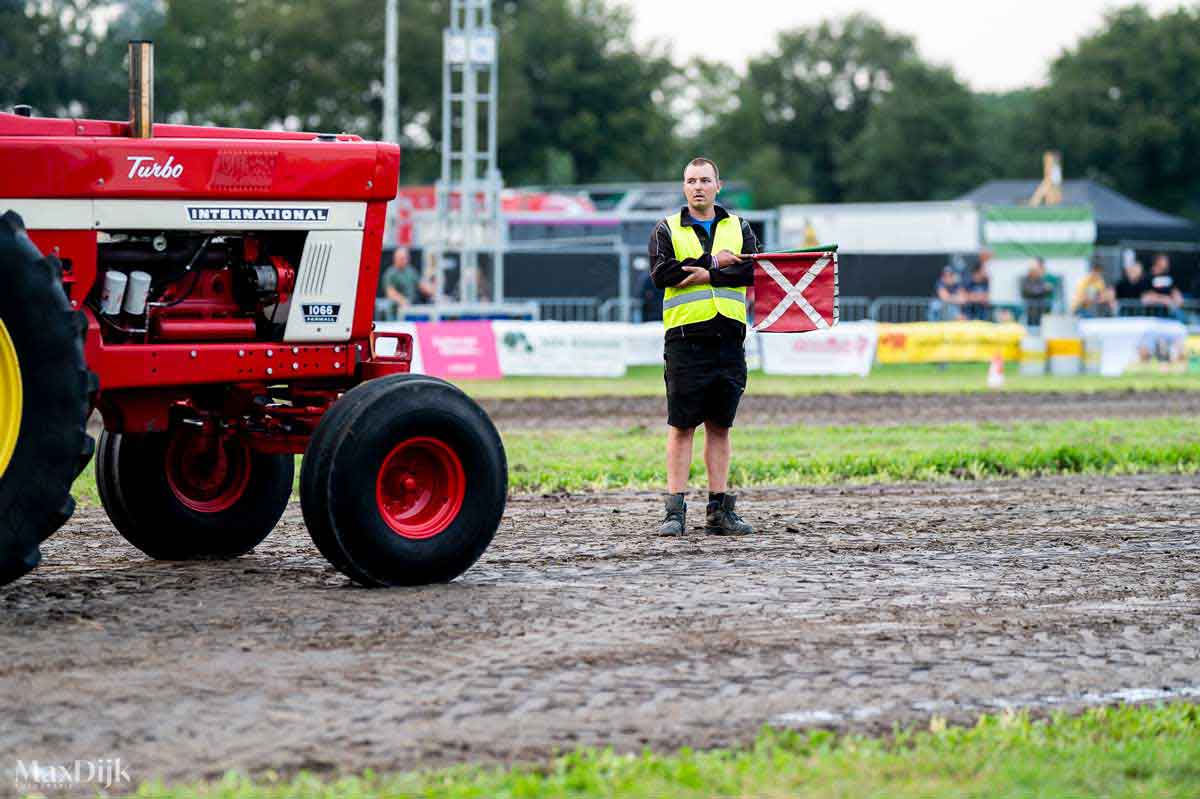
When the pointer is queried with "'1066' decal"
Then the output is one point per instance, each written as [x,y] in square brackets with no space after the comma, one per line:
[318,314]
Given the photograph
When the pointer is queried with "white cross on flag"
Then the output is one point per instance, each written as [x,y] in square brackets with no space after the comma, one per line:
[795,292]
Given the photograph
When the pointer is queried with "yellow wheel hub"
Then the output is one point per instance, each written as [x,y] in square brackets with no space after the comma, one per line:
[10,398]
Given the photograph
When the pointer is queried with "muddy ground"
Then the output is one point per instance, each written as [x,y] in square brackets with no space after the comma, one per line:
[852,409]
[853,608]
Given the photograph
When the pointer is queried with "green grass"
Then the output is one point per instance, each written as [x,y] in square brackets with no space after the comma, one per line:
[578,460]
[1112,753]
[647,381]
[634,458]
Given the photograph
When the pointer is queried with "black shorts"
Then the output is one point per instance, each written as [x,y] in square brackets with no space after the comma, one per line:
[706,377]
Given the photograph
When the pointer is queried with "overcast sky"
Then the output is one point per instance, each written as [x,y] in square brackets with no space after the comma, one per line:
[992,46]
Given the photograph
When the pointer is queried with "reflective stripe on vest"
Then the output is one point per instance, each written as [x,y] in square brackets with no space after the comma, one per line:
[701,303]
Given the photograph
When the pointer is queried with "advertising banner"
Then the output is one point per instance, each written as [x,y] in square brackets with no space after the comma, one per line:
[1132,343]
[562,349]
[848,349]
[458,350]
[945,342]
[644,344]
[418,366]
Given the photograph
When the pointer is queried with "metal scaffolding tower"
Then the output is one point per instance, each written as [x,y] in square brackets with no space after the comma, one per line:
[468,193]
[391,115]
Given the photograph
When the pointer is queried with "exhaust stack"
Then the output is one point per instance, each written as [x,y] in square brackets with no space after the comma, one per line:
[141,89]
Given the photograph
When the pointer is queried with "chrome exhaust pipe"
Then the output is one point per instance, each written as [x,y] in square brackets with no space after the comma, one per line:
[141,89]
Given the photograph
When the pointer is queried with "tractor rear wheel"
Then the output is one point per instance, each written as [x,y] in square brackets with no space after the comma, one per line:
[404,482]
[184,495]
[44,400]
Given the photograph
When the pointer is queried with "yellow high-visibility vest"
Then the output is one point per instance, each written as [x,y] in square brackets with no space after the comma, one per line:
[701,303]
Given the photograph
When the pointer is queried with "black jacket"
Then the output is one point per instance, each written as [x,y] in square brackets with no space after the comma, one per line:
[667,270]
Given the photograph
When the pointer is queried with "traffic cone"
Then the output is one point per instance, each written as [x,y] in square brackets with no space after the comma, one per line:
[995,378]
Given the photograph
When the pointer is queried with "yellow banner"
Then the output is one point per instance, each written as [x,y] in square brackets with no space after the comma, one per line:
[945,342]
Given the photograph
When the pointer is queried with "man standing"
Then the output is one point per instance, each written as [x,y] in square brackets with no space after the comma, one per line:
[1037,292]
[1162,291]
[401,282]
[696,257]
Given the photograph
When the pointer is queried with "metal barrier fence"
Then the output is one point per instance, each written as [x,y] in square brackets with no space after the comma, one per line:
[1188,312]
[564,309]
[900,309]
[853,309]
[610,310]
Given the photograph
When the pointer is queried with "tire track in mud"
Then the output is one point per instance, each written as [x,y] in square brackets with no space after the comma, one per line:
[578,627]
[851,409]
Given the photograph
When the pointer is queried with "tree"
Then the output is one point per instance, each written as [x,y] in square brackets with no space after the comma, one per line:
[1008,145]
[1124,106]
[52,55]
[579,101]
[810,97]
[920,140]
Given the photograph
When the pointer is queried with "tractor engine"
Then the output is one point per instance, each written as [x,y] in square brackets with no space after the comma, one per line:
[173,287]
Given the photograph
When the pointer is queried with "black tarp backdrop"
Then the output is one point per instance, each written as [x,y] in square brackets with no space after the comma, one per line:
[882,275]
[541,274]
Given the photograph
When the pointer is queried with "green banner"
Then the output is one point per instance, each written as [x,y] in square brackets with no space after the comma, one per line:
[1013,231]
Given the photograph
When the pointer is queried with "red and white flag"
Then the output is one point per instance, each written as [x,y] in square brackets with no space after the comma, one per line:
[795,292]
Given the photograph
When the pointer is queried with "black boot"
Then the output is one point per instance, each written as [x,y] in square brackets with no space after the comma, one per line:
[723,520]
[676,522]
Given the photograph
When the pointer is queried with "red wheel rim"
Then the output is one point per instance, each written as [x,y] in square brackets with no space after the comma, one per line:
[420,488]
[205,473]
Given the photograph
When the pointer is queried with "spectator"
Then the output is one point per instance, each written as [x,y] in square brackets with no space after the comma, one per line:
[1037,292]
[401,283]
[1093,296]
[978,299]
[1162,291]
[1133,283]
[949,296]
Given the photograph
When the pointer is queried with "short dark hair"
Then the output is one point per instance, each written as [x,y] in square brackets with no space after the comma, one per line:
[701,161]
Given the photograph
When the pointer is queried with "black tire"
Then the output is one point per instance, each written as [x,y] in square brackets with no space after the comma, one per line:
[52,444]
[135,475]
[340,478]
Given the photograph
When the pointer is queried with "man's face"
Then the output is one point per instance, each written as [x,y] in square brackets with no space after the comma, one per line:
[400,258]
[1161,266]
[700,186]
[1037,269]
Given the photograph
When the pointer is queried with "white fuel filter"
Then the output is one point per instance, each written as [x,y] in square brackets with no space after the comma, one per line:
[113,293]
[135,295]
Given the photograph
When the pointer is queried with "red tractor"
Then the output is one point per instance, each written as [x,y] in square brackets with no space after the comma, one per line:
[210,292]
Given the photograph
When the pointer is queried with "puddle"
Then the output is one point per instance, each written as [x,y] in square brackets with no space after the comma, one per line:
[827,718]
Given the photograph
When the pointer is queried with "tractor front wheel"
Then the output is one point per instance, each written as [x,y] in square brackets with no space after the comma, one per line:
[188,495]
[404,482]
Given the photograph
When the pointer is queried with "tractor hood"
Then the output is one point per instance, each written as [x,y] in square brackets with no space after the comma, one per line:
[82,158]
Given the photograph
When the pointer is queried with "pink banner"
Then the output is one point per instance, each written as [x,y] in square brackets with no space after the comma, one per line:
[458,350]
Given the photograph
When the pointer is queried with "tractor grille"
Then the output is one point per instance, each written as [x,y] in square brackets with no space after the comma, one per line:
[315,267]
